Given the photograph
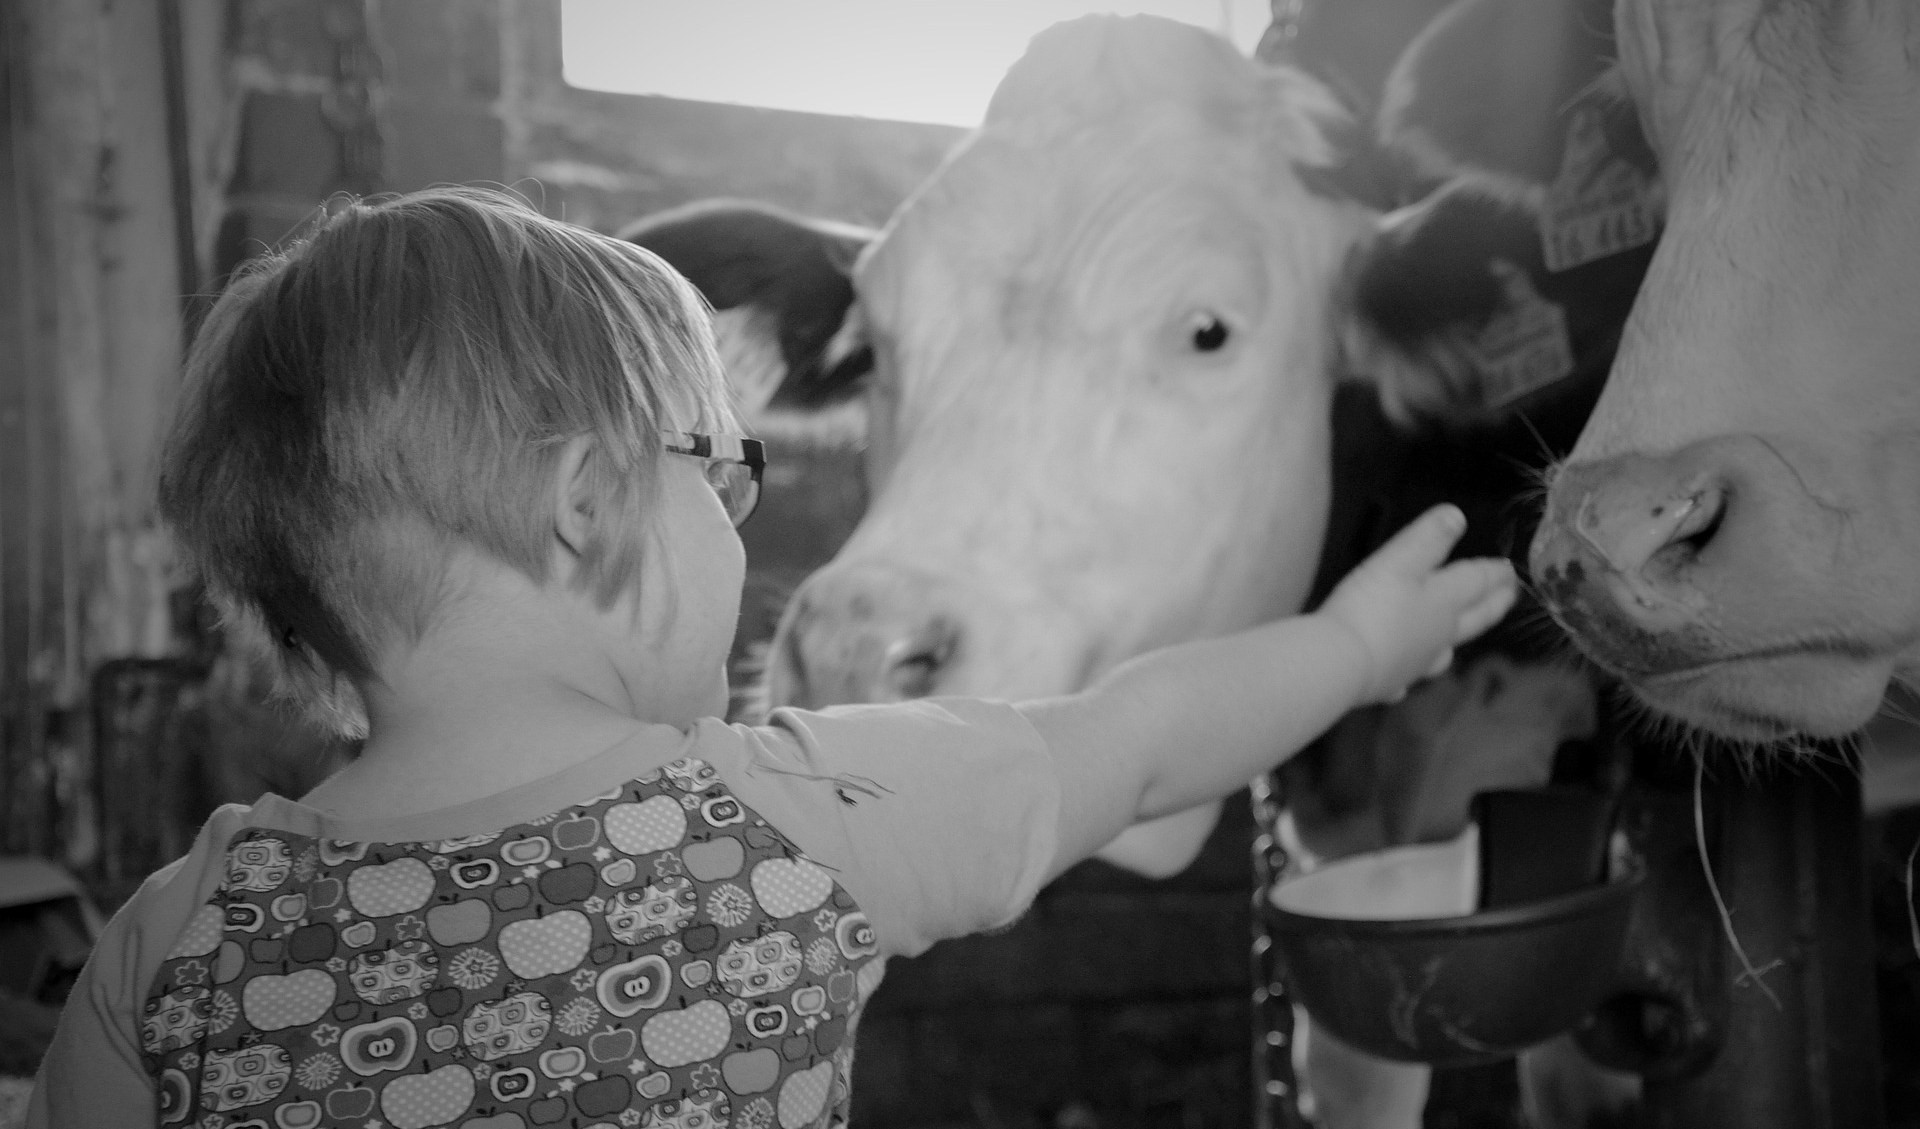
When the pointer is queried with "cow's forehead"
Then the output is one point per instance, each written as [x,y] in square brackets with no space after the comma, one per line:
[1005,207]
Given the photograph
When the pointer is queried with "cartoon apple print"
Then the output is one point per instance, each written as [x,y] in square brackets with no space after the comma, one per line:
[854,934]
[545,946]
[229,962]
[694,973]
[511,897]
[325,893]
[619,872]
[830,1034]
[652,825]
[786,887]
[400,886]
[359,935]
[547,1111]
[751,1072]
[494,1029]
[700,938]
[715,859]
[603,1096]
[508,1085]
[333,852]
[243,917]
[756,966]
[676,1038]
[380,1046]
[459,923]
[568,884]
[563,1062]
[173,1097]
[803,1096]
[350,1102]
[470,873]
[767,1022]
[722,811]
[636,985]
[444,1001]
[311,944]
[297,1115]
[613,1044]
[415,1101]
[273,1003]
[202,934]
[576,832]
[811,999]
[529,851]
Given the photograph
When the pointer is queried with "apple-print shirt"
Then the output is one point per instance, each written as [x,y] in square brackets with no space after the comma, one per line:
[680,932]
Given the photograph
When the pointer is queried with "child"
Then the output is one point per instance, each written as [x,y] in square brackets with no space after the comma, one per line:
[466,469]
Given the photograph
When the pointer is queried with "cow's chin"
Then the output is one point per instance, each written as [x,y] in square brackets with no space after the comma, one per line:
[1776,699]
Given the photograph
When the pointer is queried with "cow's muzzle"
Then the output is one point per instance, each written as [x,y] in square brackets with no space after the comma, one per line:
[864,634]
[1621,550]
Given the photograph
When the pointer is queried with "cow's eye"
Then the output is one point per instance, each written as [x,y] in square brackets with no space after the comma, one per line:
[1207,333]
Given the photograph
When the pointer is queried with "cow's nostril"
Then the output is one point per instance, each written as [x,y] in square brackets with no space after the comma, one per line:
[1692,522]
[914,666]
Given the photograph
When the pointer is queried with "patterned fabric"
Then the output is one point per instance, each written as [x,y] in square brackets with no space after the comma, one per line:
[655,956]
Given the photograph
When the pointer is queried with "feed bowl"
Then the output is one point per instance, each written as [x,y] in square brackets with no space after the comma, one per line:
[1435,984]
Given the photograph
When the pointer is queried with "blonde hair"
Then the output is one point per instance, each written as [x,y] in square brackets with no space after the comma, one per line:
[399,383]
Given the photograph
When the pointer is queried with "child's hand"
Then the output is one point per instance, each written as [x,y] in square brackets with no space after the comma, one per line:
[1408,612]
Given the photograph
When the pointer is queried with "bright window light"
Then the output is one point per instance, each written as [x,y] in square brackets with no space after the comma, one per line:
[905,60]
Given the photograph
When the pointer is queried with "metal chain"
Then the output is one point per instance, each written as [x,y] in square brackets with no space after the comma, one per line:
[1275,1098]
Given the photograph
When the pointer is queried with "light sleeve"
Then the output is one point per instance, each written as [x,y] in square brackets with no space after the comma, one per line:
[92,1074]
[939,816]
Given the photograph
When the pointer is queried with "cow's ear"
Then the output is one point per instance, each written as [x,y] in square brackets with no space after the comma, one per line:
[781,286]
[1484,88]
[1444,317]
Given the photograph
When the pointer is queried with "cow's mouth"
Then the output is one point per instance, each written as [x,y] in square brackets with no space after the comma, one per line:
[1817,689]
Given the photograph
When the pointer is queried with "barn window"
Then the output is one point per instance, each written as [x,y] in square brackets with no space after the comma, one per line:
[905,60]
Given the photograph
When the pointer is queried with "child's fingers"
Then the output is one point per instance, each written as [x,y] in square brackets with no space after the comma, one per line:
[1489,588]
[1423,543]
[1440,663]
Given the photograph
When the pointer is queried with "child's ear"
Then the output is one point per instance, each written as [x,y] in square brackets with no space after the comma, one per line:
[573,496]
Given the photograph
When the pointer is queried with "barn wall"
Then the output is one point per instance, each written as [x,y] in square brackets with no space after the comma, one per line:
[151,147]
[402,94]
[90,317]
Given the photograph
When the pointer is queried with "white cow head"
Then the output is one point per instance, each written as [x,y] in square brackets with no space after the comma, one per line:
[1738,530]
[1103,361]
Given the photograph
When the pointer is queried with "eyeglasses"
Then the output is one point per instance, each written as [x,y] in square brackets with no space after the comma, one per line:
[734,464]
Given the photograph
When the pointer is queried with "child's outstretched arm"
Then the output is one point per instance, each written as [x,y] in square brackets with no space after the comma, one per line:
[1189,723]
